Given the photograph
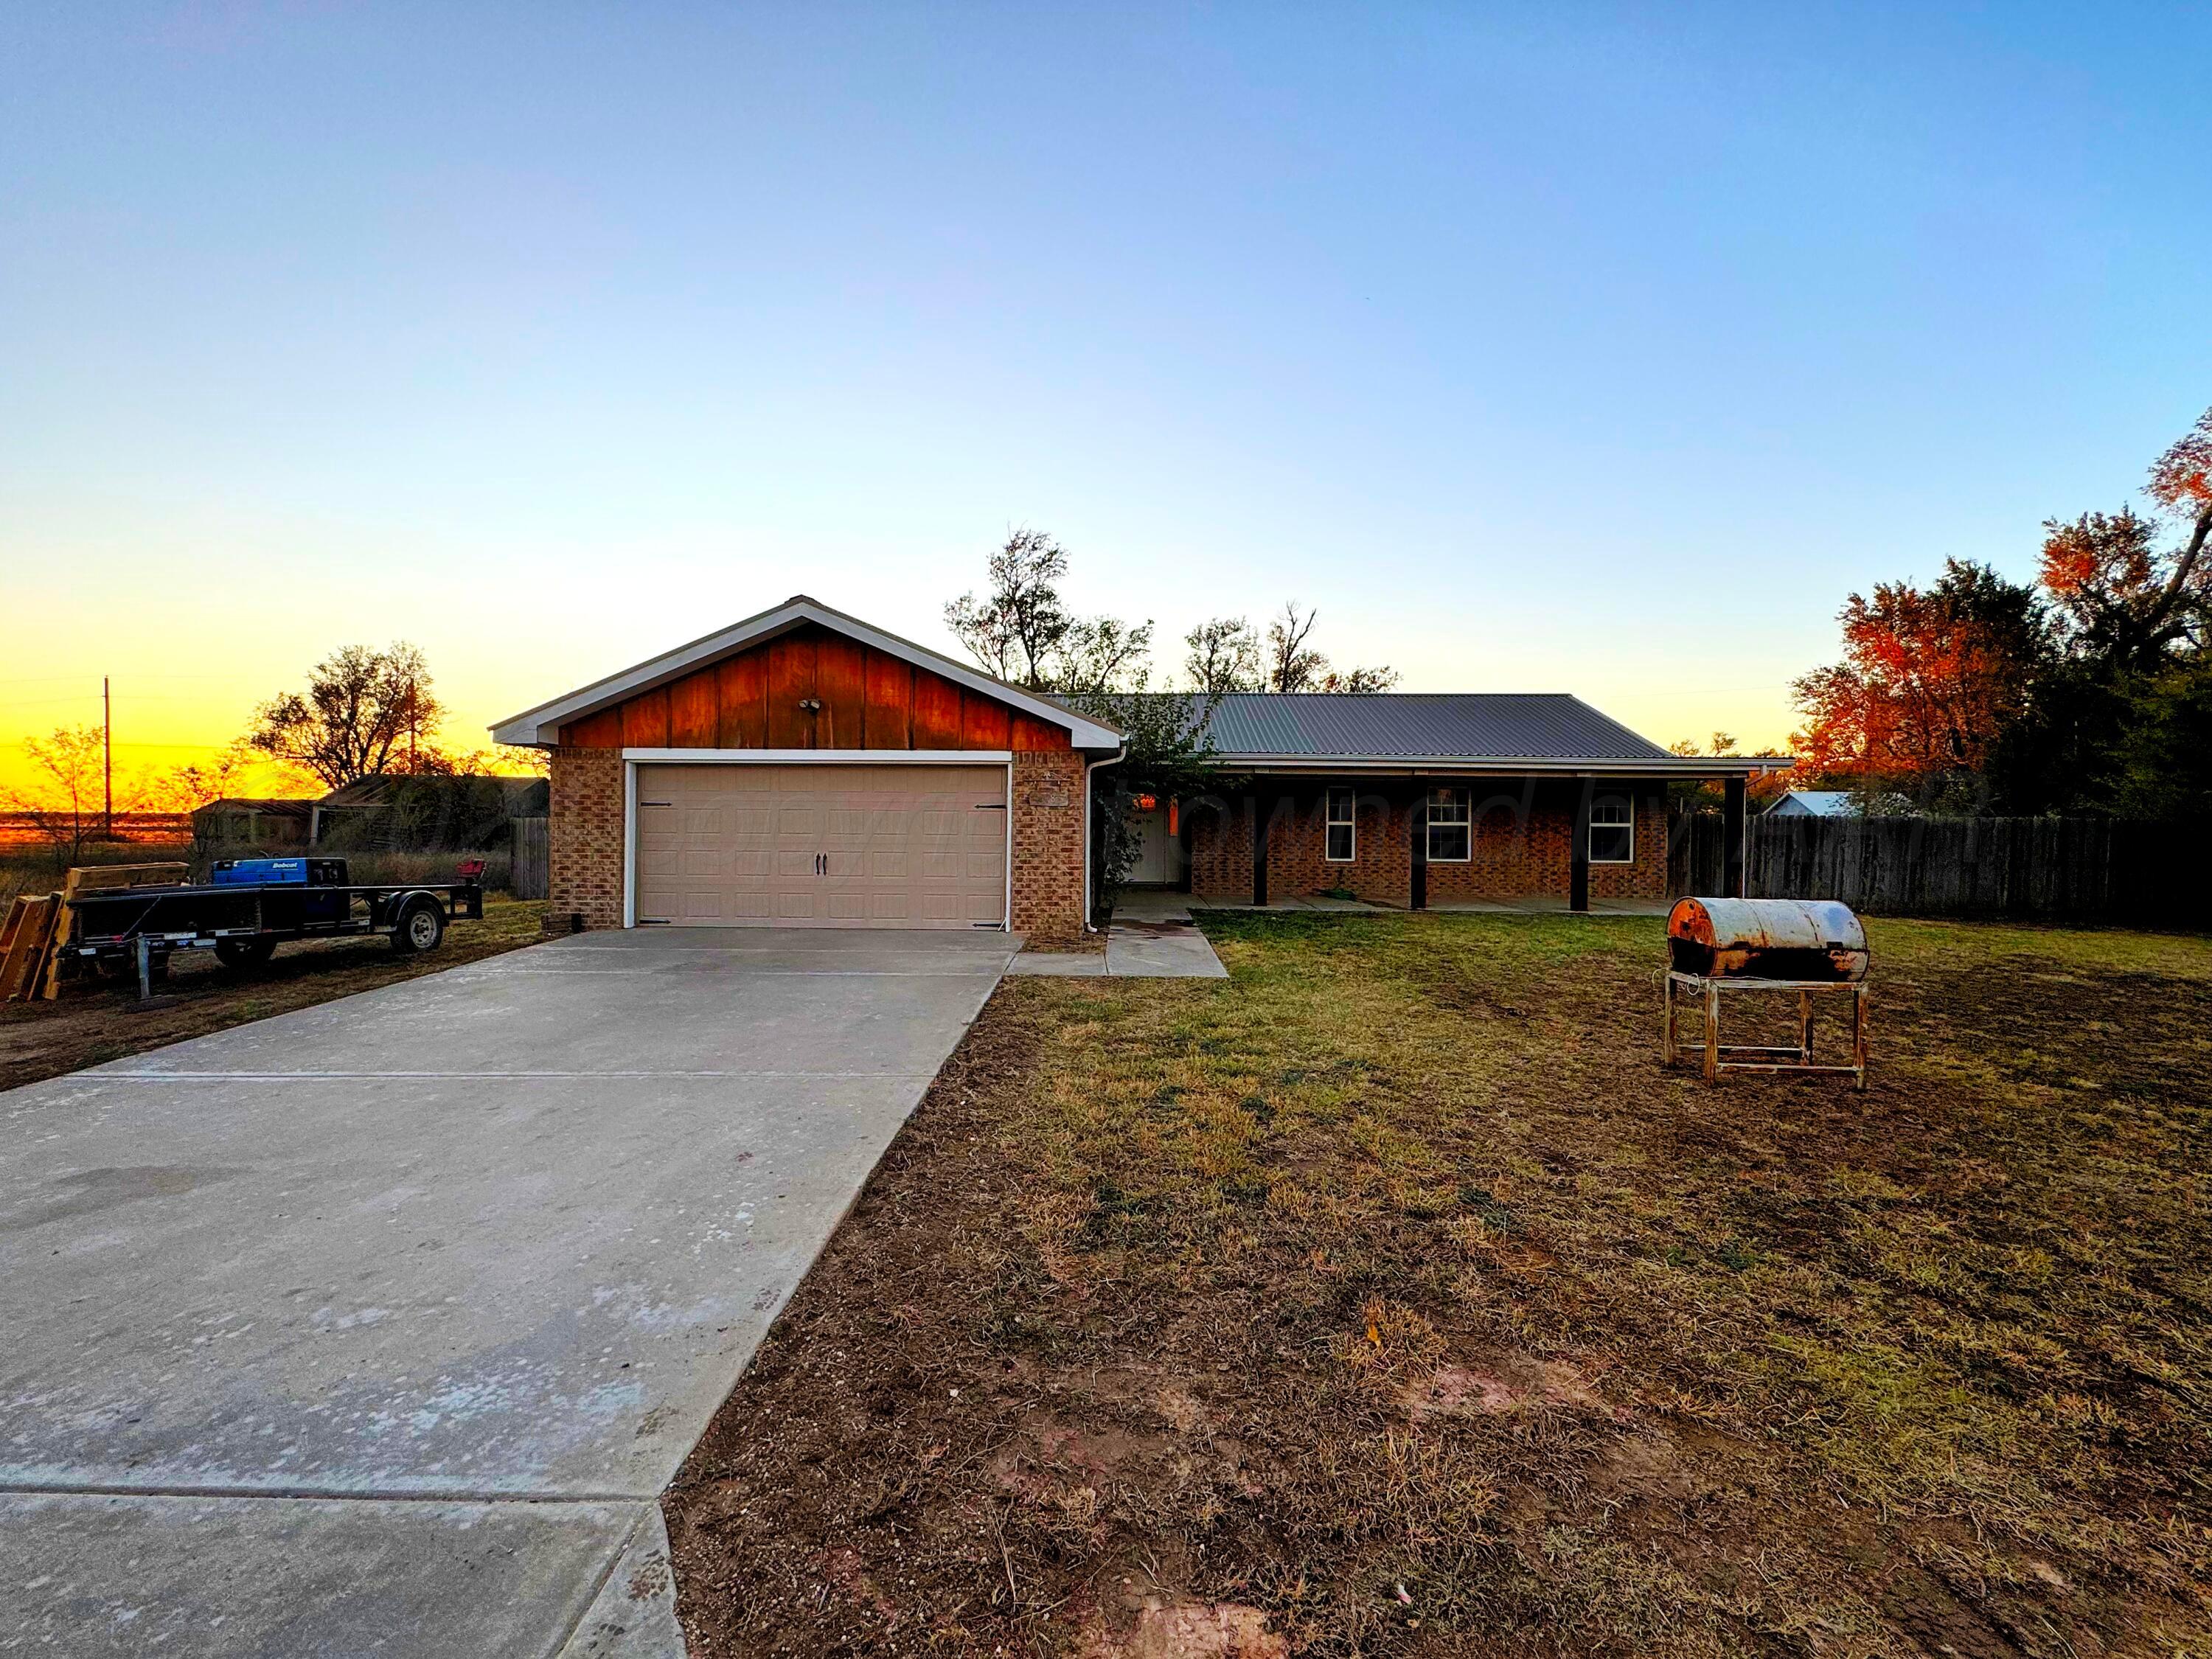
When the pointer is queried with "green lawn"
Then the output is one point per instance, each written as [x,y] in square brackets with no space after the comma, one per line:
[1391,1290]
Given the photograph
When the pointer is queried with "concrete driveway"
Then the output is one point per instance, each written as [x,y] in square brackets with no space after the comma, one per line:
[378,1327]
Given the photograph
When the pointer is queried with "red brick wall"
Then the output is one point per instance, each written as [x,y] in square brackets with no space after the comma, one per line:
[1381,867]
[1647,877]
[1218,831]
[1521,848]
[585,850]
[1047,809]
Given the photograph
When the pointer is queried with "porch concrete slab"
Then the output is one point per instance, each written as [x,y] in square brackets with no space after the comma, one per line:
[1060,964]
[1160,949]
[1151,904]
[99,1576]
[491,1237]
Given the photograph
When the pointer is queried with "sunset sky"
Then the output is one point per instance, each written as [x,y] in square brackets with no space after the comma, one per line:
[1543,347]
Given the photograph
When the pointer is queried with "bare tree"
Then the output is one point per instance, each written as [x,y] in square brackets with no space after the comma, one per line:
[364,713]
[1015,628]
[1292,666]
[1224,657]
[1022,630]
[1100,654]
[64,799]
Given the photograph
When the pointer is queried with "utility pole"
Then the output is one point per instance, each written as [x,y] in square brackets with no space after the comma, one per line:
[106,764]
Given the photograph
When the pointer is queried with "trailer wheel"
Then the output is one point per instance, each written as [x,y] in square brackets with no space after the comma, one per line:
[244,952]
[422,926]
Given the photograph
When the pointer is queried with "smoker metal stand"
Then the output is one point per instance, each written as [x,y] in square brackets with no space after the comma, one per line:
[1687,991]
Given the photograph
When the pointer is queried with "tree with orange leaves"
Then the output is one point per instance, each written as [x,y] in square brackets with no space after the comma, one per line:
[2092,694]
[1929,680]
[2124,600]
[2118,723]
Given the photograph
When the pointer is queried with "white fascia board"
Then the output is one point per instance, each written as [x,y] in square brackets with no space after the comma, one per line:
[1683,766]
[820,757]
[540,727]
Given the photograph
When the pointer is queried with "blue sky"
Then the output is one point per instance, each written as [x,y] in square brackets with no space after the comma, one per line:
[1549,347]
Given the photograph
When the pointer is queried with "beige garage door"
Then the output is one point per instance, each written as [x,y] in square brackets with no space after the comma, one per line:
[822,846]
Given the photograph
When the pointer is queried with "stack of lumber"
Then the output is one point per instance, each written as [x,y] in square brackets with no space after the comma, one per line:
[38,926]
[27,941]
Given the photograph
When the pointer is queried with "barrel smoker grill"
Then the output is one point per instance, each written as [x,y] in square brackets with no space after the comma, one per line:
[1716,948]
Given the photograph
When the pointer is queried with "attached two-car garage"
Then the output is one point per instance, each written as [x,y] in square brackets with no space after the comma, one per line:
[751,844]
[801,768]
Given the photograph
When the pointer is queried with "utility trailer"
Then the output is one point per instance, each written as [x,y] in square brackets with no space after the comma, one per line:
[248,907]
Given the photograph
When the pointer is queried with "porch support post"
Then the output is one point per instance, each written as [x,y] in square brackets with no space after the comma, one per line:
[1417,827]
[1262,811]
[1732,836]
[1579,855]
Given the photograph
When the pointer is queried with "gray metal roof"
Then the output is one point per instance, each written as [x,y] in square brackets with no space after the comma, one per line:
[1472,725]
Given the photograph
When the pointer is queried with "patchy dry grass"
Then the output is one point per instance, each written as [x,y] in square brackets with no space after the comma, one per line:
[1390,1289]
[90,1023]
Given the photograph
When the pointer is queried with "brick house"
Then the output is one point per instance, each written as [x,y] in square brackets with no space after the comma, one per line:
[1414,801]
[802,768]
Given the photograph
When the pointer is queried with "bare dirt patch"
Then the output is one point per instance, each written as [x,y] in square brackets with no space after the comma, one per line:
[1341,1308]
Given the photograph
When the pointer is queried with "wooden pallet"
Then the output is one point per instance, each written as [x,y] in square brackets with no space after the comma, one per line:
[31,949]
[90,878]
[28,943]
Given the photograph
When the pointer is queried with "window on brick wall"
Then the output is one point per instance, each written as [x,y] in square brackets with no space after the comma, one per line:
[1451,831]
[1343,827]
[1613,832]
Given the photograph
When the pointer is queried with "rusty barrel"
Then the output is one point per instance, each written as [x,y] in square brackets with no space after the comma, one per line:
[1766,939]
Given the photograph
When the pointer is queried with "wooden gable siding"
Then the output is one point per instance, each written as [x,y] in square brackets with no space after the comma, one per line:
[870,700]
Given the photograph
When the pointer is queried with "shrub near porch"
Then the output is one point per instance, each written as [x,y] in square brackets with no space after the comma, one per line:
[1390,1289]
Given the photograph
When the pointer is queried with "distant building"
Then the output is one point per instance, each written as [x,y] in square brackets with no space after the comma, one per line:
[1838,804]
[243,821]
[390,812]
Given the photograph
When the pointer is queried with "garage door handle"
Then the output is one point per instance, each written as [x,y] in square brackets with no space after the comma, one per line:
[821,864]
[990,807]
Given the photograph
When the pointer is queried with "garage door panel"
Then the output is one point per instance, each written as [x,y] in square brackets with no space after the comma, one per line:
[859,846]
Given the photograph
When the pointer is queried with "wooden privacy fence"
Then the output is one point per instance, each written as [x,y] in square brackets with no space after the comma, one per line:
[533,847]
[2086,870]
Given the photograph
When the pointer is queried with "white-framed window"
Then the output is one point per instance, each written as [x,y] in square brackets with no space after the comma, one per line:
[1451,827]
[1613,832]
[1343,831]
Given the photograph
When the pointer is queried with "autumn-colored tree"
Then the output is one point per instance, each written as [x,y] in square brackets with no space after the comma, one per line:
[2112,723]
[2126,601]
[1930,679]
